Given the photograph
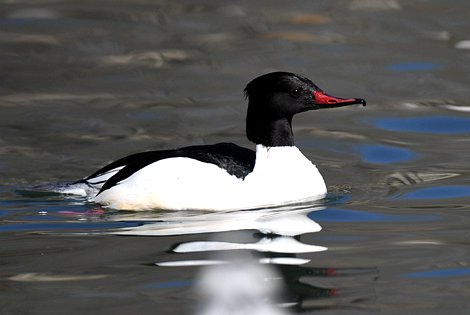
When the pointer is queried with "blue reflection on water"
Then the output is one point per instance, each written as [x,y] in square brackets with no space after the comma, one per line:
[341,215]
[384,154]
[427,124]
[44,226]
[440,273]
[438,192]
[413,66]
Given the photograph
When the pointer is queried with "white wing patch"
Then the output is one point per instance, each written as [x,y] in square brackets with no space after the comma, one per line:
[99,180]
[88,188]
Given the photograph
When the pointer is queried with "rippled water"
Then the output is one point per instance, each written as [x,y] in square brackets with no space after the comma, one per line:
[86,83]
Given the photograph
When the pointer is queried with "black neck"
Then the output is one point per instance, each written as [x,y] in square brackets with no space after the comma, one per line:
[270,133]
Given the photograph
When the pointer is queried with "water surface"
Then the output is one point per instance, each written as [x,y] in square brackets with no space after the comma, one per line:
[86,83]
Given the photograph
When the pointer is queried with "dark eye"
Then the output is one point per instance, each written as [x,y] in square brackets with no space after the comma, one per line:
[295,92]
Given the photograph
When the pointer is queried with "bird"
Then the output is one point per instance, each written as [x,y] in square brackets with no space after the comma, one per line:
[225,176]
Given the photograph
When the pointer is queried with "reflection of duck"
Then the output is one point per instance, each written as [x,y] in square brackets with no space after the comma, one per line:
[279,227]
[275,244]
[307,288]
[245,287]
[239,288]
[273,257]
[225,176]
[225,285]
[289,220]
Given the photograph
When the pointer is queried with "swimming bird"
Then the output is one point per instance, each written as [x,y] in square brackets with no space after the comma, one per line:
[225,176]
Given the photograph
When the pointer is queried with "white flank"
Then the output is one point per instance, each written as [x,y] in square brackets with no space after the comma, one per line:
[280,175]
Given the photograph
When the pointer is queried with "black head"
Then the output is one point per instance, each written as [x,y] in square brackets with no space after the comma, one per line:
[274,98]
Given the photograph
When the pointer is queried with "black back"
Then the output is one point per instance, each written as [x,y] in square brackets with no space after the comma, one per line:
[236,160]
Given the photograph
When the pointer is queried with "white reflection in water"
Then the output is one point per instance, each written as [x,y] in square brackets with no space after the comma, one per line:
[292,261]
[284,220]
[228,286]
[239,288]
[281,244]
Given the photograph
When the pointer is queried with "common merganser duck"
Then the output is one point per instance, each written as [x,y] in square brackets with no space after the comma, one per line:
[225,176]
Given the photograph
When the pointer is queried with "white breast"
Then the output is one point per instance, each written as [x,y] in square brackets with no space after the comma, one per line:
[173,183]
[280,175]
[284,174]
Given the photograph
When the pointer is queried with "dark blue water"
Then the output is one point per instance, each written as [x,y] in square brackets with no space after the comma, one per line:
[433,125]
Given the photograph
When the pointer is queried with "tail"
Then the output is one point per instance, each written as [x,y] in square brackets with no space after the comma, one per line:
[79,188]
